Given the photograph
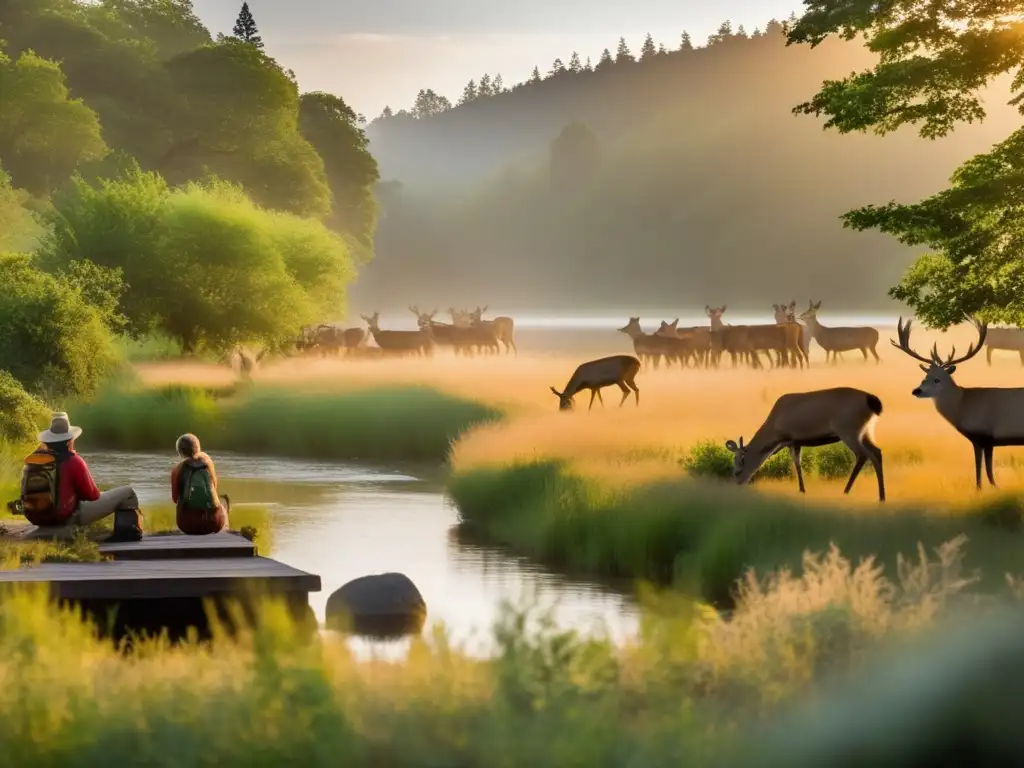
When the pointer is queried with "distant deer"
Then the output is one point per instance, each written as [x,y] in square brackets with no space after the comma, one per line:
[504,326]
[649,347]
[620,370]
[734,339]
[420,342]
[1008,339]
[987,416]
[787,314]
[834,340]
[812,419]
[246,364]
[697,340]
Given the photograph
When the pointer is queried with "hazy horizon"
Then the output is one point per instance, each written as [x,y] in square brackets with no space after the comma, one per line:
[382,54]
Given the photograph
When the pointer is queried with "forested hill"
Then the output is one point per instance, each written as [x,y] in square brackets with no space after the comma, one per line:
[679,179]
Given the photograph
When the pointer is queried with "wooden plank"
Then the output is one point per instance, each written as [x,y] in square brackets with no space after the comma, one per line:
[152,579]
[179,546]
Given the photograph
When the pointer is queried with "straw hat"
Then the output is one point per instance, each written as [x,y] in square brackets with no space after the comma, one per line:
[60,430]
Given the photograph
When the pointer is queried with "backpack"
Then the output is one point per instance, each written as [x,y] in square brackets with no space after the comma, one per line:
[39,487]
[197,486]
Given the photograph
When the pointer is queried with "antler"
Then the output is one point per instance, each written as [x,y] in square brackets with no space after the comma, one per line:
[903,332]
[415,310]
[982,329]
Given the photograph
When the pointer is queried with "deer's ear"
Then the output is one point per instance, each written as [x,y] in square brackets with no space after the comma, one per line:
[951,369]
[731,445]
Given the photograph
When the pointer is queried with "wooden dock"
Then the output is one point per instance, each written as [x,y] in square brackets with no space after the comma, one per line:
[164,581]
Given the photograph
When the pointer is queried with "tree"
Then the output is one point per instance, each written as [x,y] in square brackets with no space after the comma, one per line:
[51,339]
[428,104]
[333,129]
[605,61]
[468,93]
[575,65]
[648,50]
[575,156]
[498,86]
[662,50]
[931,69]
[44,134]
[21,415]
[218,272]
[245,28]
[756,32]
[685,43]
[588,67]
[622,53]
[741,32]
[19,230]
[557,68]
[241,123]
[724,33]
[535,75]
[386,113]
[485,88]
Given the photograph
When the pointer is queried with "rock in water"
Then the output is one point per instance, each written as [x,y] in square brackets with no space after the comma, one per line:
[382,605]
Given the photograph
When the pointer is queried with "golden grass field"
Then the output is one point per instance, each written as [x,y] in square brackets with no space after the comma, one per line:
[926,460]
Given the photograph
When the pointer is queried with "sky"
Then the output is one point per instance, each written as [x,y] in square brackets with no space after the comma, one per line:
[382,52]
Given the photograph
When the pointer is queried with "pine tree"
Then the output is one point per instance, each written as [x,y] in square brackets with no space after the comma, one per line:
[647,50]
[740,31]
[575,66]
[245,28]
[386,113]
[557,68]
[485,88]
[662,50]
[622,53]
[724,33]
[756,32]
[535,75]
[468,93]
[588,67]
[498,86]
[685,43]
[605,60]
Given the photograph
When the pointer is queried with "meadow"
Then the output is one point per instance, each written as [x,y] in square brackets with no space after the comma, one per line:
[641,492]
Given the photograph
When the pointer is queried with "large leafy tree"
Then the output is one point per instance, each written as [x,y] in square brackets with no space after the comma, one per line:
[44,134]
[331,126]
[934,57]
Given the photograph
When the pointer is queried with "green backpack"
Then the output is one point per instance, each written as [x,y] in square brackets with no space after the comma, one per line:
[197,486]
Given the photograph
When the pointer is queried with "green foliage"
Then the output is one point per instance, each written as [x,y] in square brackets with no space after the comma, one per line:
[44,134]
[701,536]
[22,416]
[385,424]
[330,125]
[51,339]
[931,69]
[218,271]
[711,459]
[245,28]
[19,230]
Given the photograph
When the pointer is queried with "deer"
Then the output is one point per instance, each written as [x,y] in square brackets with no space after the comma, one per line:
[505,328]
[840,339]
[444,334]
[420,342]
[810,419]
[649,347]
[698,340]
[987,416]
[620,370]
[1008,339]
[785,315]
[733,339]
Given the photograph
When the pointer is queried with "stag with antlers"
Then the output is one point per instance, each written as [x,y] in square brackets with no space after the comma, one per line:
[987,416]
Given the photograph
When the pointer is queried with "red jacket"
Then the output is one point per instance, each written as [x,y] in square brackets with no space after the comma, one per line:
[76,484]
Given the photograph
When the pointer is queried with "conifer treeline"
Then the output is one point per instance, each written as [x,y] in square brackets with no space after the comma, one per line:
[429,102]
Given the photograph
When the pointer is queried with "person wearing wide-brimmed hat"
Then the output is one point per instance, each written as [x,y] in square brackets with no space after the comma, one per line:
[79,502]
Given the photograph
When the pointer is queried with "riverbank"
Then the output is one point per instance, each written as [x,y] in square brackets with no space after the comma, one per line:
[680,693]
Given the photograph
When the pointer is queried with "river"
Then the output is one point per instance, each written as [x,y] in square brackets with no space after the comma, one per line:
[342,521]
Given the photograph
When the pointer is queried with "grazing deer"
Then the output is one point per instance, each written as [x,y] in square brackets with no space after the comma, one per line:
[649,347]
[811,419]
[505,328]
[620,370]
[787,314]
[420,342]
[987,416]
[840,339]
[1009,339]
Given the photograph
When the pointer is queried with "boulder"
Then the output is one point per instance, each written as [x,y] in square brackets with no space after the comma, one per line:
[381,605]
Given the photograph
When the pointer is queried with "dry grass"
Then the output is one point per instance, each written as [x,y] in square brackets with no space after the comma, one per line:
[927,461]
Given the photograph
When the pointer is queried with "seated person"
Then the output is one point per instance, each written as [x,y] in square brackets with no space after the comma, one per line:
[57,490]
[194,490]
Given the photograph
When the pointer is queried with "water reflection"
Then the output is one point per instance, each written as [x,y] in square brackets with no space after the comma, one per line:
[343,521]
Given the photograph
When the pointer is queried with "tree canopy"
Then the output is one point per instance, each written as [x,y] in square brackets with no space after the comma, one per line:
[934,60]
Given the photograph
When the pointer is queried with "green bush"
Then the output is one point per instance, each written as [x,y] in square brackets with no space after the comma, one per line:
[710,459]
[22,416]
